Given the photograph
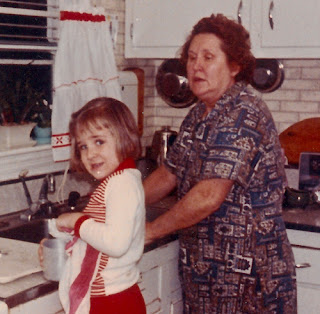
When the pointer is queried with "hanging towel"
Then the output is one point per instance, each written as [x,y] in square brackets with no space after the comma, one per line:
[79,272]
[84,67]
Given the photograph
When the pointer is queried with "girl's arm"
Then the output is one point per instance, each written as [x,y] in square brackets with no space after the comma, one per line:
[67,221]
[125,214]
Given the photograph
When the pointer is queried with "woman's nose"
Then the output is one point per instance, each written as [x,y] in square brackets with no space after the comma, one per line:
[196,64]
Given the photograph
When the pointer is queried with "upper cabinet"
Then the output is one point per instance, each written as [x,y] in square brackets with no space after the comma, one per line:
[285,28]
[158,28]
[278,28]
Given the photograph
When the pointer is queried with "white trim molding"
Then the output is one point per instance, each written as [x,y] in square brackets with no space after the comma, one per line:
[37,160]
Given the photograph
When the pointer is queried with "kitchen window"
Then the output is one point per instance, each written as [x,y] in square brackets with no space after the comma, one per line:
[28,41]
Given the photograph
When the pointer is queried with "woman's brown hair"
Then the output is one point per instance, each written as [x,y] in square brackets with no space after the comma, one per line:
[235,43]
[108,113]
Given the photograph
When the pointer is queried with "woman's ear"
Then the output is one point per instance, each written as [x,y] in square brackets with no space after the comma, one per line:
[234,68]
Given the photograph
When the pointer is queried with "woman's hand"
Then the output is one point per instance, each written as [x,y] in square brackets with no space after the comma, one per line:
[40,251]
[66,222]
[148,238]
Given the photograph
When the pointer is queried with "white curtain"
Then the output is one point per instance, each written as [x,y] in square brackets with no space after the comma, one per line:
[84,67]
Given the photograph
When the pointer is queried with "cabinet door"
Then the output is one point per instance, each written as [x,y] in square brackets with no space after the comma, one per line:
[308,299]
[308,278]
[286,28]
[158,28]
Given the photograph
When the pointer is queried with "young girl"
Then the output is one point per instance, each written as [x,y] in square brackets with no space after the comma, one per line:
[101,273]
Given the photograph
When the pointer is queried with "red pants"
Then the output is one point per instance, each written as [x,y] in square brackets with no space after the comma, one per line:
[125,302]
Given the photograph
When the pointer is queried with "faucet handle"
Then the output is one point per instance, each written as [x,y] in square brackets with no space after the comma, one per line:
[51,183]
[72,199]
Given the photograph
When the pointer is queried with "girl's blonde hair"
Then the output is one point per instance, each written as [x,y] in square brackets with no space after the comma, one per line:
[108,113]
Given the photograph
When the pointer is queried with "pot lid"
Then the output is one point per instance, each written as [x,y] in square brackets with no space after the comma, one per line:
[172,84]
[268,75]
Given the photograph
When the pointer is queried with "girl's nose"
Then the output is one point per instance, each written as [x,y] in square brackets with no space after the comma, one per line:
[91,152]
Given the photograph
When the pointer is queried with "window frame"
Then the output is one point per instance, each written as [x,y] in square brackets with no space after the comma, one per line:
[37,159]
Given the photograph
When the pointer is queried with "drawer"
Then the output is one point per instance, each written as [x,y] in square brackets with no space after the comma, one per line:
[303,258]
[304,238]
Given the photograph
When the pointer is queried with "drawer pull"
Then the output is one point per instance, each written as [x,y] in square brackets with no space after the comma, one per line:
[303,265]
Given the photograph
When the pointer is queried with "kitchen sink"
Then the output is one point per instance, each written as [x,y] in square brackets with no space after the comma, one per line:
[13,227]
[33,231]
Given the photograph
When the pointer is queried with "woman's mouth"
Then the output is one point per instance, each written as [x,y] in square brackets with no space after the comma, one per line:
[197,79]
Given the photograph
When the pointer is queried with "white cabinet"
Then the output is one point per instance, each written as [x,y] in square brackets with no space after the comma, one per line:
[159,283]
[278,28]
[306,249]
[286,28]
[49,304]
[158,28]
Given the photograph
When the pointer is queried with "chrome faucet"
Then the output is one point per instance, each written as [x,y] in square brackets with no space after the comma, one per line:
[43,207]
[48,186]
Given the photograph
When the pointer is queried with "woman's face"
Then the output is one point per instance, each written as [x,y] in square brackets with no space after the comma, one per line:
[98,152]
[209,72]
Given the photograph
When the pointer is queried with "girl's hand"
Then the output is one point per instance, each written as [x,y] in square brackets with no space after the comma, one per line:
[67,221]
[40,251]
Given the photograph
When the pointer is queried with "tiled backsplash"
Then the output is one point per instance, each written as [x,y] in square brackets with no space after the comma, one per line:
[13,198]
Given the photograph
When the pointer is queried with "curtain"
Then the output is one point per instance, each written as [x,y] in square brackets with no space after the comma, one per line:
[84,67]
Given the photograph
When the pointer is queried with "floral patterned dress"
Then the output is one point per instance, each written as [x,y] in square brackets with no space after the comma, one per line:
[239,259]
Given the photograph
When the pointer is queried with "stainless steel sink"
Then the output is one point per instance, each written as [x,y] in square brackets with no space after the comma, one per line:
[33,231]
[13,227]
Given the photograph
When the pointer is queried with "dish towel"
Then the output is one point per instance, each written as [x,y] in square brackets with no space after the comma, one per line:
[84,68]
[79,272]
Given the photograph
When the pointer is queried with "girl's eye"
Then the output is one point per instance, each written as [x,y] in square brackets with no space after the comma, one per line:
[82,147]
[99,142]
[208,56]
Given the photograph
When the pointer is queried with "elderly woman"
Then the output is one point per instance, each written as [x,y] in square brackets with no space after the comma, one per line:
[235,256]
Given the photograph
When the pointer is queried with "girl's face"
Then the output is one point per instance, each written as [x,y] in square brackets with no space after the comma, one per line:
[209,72]
[98,152]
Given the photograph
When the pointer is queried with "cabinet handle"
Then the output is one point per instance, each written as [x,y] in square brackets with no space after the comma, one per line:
[270,14]
[239,12]
[131,31]
[303,265]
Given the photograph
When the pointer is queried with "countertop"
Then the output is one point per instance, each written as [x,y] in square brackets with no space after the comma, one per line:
[306,219]
[35,285]
[32,286]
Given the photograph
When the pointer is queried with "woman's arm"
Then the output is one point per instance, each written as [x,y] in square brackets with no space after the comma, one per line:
[201,201]
[159,184]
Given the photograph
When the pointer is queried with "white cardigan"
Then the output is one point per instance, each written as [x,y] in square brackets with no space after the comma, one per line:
[121,237]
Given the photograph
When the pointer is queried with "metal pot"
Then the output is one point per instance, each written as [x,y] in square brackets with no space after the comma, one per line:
[268,75]
[161,143]
[298,198]
[172,84]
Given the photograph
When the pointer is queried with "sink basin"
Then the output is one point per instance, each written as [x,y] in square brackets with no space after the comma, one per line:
[33,231]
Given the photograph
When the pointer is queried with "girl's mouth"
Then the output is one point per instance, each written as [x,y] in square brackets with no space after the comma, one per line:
[96,166]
